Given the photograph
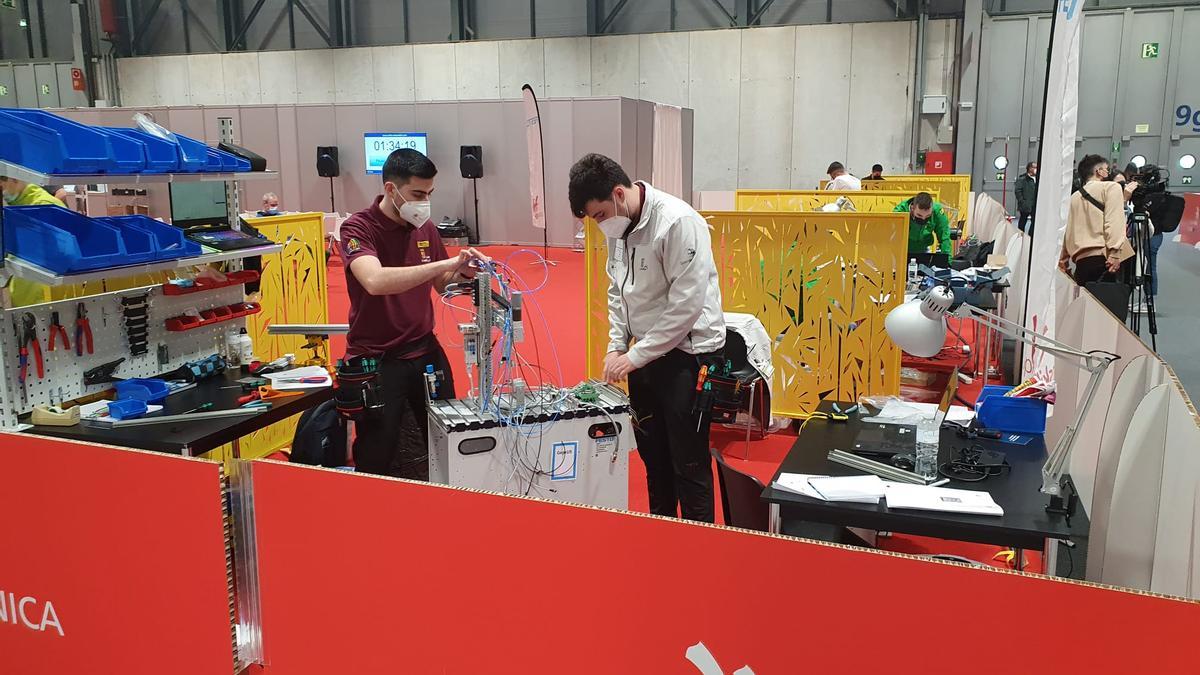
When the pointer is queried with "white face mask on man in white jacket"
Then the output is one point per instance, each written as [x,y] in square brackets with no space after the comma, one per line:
[663,291]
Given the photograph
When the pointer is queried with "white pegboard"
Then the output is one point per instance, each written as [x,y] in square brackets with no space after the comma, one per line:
[64,370]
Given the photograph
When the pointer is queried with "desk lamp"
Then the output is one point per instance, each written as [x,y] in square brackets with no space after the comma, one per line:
[919,328]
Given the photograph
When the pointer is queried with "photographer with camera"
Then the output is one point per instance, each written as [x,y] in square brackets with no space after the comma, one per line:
[1095,239]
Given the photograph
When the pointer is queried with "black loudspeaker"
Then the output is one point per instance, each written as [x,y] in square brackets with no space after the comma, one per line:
[470,161]
[327,161]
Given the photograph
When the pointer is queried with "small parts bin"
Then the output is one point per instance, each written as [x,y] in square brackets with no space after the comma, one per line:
[142,389]
[62,240]
[1014,414]
[211,316]
[169,242]
[199,285]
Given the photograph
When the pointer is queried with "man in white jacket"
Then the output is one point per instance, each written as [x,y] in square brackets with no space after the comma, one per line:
[664,297]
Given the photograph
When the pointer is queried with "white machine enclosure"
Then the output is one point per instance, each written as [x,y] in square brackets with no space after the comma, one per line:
[574,458]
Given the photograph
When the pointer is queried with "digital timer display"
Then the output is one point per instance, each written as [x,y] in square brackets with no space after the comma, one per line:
[378,145]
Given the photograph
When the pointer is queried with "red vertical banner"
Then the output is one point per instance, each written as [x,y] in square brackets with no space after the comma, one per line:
[385,576]
[111,561]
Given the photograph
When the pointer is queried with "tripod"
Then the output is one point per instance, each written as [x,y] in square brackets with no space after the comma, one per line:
[1142,278]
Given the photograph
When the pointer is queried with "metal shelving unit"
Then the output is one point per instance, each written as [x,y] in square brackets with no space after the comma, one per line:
[23,269]
[30,176]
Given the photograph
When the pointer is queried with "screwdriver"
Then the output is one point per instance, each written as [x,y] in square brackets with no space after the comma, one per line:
[200,408]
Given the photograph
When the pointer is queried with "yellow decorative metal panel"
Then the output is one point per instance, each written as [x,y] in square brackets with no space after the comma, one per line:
[821,283]
[874,201]
[953,190]
[292,289]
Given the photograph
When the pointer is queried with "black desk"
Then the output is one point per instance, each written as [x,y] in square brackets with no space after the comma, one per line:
[195,438]
[1024,525]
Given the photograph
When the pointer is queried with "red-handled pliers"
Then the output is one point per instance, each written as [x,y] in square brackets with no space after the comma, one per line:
[28,335]
[83,330]
[56,329]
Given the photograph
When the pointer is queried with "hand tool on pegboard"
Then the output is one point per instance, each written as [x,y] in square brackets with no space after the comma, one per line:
[136,309]
[28,337]
[83,330]
[57,330]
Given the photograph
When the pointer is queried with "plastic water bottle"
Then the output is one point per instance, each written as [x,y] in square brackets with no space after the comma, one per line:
[928,434]
[912,272]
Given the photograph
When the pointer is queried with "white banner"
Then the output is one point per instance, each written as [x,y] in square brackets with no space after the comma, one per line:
[533,140]
[1054,180]
[667,172]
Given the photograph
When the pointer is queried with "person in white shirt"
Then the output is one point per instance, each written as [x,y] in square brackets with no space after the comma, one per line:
[664,297]
[840,180]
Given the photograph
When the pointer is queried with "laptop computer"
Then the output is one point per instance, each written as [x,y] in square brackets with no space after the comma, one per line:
[932,259]
[884,441]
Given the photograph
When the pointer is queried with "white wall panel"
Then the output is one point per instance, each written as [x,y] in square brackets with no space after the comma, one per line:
[821,123]
[277,77]
[880,81]
[393,69]
[138,80]
[765,132]
[314,76]
[206,81]
[568,67]
[350,120]
[663,68]
[477,70]
[522,62]
[353,75]
[714,83]
[433,67]
[242,83]
[172,83]
[615,66]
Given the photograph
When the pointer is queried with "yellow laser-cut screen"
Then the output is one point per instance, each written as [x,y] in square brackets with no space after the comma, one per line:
[821,283]
[873,201]
[953,190]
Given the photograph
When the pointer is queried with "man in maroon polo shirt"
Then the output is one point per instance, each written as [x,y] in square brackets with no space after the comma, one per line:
[394,258]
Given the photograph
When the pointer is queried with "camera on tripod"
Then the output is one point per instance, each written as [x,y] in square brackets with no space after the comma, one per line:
[1151,197]
[1150,182]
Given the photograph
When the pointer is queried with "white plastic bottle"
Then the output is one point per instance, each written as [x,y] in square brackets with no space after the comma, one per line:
[912,272]
[245,347]
[232,349]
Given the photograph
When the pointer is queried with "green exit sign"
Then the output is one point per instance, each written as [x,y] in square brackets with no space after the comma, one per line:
[1187,180]
[1149,50]
[10,4]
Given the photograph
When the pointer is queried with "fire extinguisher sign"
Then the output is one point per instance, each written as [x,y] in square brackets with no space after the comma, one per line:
[77,82]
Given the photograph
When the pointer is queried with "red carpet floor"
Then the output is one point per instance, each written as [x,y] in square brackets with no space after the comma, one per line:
[555,324]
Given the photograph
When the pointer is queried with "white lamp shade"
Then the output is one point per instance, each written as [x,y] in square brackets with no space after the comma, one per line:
[915,330]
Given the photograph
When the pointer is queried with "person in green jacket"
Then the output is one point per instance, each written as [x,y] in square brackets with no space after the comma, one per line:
[926,220]
[20,193]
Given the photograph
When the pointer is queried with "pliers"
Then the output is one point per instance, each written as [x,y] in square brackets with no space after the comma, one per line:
[83,329]
[28,335]
[56,329]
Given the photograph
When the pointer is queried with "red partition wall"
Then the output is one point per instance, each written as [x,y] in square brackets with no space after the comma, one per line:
[111,561]
[371,575]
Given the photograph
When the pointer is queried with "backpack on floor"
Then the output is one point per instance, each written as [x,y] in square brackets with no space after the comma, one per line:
[320,438]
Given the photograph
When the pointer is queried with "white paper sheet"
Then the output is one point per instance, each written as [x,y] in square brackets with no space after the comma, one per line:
[896,411]
[857,489]
[926,498]
[798,483]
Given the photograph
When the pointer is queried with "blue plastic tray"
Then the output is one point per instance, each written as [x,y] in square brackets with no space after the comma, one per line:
[127,408]
[124,155]
[61,240]
[193,154]
[169,241]
[149,390]
[1006,413]
[162,156]
[140,246]
[50,144]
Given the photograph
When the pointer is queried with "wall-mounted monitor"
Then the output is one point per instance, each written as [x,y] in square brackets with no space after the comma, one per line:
[379,145]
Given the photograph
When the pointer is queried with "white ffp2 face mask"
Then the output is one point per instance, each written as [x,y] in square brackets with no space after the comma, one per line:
[614,227]
[415,213]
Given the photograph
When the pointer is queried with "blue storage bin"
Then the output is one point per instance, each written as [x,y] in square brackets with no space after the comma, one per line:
[127,408]
[162,156]
[50,144]
[140,246]
[1011,414]
[169,241]
[149,390]
[124,155]
[193,154]
[61,240]
[229,162]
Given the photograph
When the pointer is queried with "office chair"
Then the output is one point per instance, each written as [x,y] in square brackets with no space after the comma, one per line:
[741,501]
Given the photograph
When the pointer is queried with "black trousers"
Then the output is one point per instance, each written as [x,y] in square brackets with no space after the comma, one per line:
[1089,269]
[678,464]
[395,440]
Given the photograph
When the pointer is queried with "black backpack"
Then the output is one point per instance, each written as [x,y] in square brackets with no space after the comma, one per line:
[320,438]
